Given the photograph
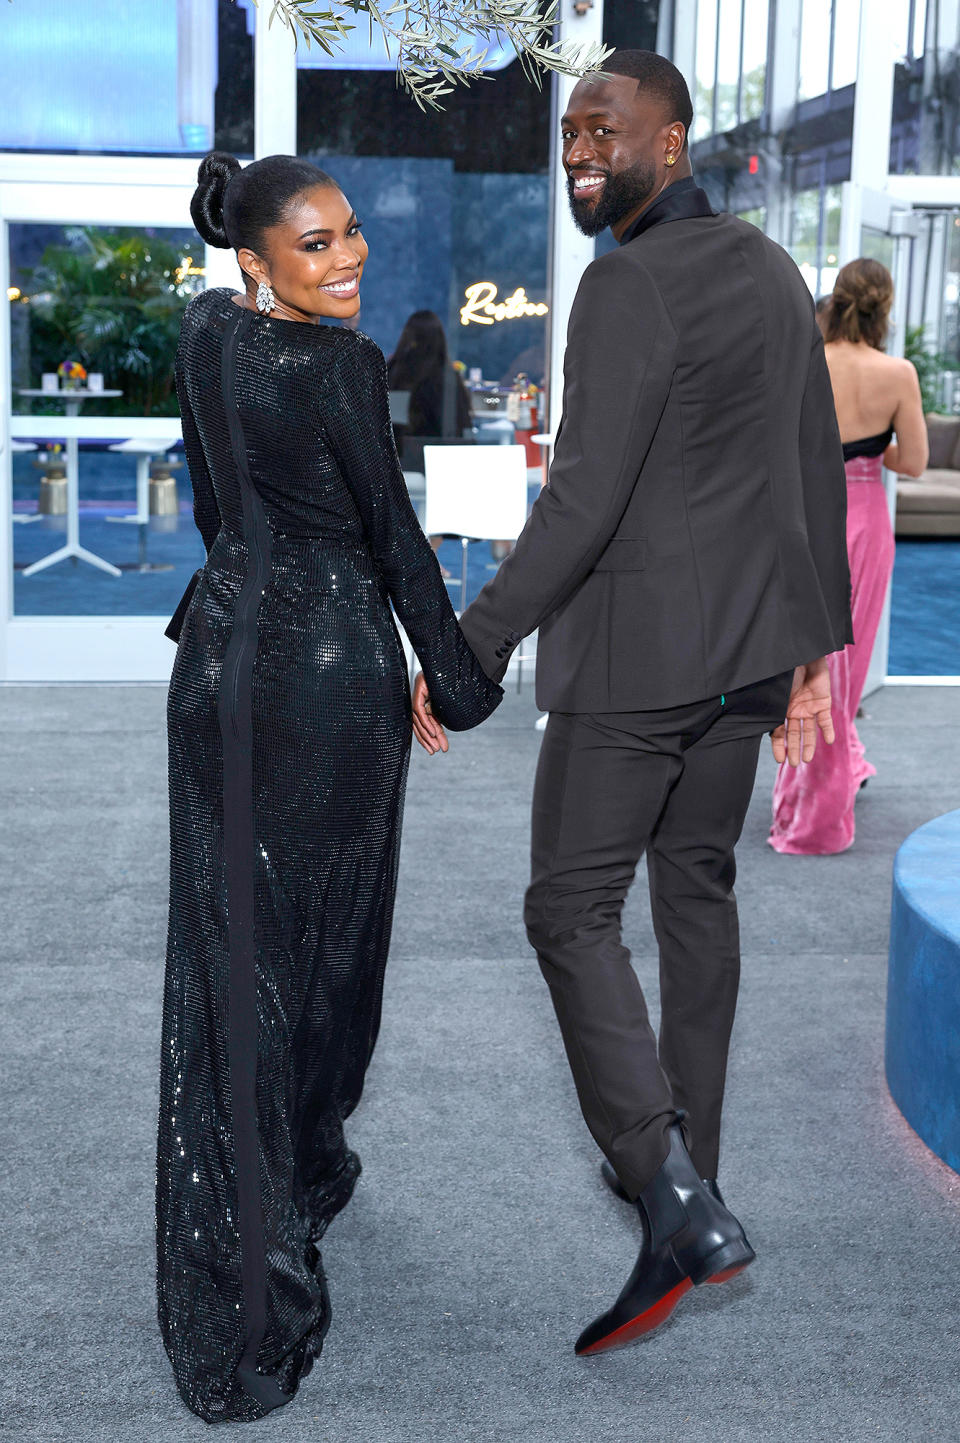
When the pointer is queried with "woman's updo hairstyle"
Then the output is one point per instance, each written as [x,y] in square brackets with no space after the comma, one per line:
[233,205]
[860,305]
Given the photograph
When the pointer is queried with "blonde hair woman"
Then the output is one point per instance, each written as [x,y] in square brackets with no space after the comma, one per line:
[880,415]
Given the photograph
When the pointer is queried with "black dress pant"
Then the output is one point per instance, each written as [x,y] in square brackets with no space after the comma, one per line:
[675,784]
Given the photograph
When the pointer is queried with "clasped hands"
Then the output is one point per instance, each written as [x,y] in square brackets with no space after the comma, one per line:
[427,730]
[794,741]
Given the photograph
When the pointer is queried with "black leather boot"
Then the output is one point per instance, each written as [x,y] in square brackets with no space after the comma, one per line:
[689,1238]
[618,1189]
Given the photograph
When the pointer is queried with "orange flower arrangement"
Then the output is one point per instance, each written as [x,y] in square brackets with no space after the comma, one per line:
[72,374]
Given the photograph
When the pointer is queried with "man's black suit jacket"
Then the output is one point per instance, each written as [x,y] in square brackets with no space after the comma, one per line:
[692,536]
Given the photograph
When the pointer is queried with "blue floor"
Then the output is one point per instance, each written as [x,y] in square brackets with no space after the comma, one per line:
[925,618]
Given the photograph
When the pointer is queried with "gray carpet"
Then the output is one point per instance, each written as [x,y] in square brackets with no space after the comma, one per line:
[480,1239]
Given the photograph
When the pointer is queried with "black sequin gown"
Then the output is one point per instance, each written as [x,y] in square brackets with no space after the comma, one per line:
[289,737]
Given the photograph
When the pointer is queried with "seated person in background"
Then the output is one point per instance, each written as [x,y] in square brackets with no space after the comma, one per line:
[439,404]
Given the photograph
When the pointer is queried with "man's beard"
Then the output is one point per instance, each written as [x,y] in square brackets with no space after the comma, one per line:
[623,192]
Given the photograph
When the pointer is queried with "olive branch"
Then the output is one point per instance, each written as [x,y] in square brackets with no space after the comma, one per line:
[432,58]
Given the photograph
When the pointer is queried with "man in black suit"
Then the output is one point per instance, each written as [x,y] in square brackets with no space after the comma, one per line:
[686,566]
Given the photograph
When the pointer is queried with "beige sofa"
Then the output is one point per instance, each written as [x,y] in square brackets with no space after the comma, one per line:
[930,504]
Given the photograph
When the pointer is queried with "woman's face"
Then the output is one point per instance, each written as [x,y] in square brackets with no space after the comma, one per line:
[313,259]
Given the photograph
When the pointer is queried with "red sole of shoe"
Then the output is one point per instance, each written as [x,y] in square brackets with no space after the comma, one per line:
[643,1323]
[727,1274]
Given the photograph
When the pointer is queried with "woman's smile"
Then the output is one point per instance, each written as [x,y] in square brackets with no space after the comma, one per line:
[345,289]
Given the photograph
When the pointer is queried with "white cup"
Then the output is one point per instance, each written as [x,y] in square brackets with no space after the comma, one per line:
[49,381]
[95,381]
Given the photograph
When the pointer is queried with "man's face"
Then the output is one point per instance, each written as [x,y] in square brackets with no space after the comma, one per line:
[613,149]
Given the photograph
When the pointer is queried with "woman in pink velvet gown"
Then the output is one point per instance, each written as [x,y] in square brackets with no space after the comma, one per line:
[876,397]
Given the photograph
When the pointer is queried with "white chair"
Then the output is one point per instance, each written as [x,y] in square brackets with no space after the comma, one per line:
[477,493]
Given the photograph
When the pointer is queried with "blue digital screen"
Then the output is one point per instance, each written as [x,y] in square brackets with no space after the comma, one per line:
[108,75]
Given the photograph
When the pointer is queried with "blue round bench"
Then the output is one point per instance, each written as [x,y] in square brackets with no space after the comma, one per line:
[923,991]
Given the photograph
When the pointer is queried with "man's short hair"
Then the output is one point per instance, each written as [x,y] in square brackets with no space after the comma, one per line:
[656,76]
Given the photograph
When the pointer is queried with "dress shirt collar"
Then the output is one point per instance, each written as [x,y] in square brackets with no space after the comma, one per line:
[678,201]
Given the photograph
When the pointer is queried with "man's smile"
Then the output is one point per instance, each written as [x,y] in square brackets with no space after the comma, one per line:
[588,186]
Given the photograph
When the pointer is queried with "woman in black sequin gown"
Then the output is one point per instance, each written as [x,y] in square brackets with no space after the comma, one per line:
[289,735]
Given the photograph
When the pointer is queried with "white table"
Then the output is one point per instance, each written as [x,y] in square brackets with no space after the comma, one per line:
[72,401]
[144,450]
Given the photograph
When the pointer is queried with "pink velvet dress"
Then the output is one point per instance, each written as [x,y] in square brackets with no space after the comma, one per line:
[813,803]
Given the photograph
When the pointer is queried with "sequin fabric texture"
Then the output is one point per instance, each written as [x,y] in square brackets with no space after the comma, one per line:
[289,738]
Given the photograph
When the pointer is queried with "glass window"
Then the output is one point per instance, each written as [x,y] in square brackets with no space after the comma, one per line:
[728,64]
[109,302]
[878,245]
[846,36]
[805,235]
[456,211]
[110,298]
[829,262]
[814,74]
[919,27]
[455,206]
[815,236]
[753,95]
[630,24]
[123,76]
[705,69]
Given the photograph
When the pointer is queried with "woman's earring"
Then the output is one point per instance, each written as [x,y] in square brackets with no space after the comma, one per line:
[266,300]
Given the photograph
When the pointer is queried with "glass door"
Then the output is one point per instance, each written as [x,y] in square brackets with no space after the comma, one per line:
[96,537]
[921,236]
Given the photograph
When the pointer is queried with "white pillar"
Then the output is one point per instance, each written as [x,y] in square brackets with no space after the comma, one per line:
[783,53]
[274,86]
[682,45]
[861,198]
[872,120]
[570,252]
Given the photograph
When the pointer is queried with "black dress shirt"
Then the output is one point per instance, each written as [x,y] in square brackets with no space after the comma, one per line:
[677,201]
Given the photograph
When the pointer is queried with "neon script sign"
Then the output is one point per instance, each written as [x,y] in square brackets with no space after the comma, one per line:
[483,308]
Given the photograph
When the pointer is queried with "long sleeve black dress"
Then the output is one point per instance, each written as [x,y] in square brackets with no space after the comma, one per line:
[289,737]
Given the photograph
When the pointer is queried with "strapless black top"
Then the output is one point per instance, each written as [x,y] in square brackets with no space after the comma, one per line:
[868,445]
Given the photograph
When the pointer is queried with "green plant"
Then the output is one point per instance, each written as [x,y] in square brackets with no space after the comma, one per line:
[931,366]
[113,300]
[433,55]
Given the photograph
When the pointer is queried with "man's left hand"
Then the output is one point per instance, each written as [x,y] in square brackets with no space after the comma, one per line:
[808,713]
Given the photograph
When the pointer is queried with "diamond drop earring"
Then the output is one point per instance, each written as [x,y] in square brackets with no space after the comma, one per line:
[266,300]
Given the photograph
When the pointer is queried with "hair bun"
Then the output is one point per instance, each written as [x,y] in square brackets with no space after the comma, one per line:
[206,208]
